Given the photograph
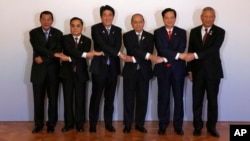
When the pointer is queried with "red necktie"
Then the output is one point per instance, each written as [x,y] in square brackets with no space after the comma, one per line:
[204,37]
[169,34]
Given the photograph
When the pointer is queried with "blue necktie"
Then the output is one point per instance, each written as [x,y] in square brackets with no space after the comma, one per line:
[107,56]
[46,35]
[108,30]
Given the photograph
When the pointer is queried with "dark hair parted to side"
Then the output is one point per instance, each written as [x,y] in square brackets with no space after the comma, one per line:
[107,7]
[46,13]
[168,10]
[76,18]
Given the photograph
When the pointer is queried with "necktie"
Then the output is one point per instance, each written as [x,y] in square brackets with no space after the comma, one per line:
[76,42]
[107,56]
[46,33]
[138,38]
[108,30]
[204,37]
[169,34]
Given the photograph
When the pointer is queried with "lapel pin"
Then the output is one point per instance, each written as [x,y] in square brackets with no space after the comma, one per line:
[211,32]
[142,38]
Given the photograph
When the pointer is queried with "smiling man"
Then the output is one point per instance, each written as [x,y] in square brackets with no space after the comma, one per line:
[105,69]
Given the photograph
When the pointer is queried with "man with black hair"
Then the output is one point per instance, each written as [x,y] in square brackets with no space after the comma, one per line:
[105,69]
[46,44]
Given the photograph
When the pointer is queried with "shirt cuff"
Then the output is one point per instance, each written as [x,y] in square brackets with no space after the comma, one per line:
[70,59]
[177,56]
[133,58]
[165,60]
[196,56]
[84,55]
[119,53]
[147,56]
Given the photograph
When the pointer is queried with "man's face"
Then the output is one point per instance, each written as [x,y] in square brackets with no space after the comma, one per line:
[169,19]
[46,21]
[76,27]
[208,18]
[107,18]
[137,23]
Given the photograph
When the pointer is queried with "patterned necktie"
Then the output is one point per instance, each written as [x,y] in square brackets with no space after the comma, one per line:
[204,37]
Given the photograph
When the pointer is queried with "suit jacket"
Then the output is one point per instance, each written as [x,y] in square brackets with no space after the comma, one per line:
[209,62]
[46,50]
[169,49]
[110,45]
[75,54]
[139,51]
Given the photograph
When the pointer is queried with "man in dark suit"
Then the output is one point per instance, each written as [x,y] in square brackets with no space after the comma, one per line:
[137,73]
[46,44]
[170,42]
[105,69]
[74,73]
[205,69]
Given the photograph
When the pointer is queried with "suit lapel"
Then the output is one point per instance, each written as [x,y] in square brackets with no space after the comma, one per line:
[42,35]
[142,40]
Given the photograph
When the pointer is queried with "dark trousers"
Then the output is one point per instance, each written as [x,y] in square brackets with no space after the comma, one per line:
[211,87]
[74,93]
[164,90]
[39,92]
[135,99]
[107,83]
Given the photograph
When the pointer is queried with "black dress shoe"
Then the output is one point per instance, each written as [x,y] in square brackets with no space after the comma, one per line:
[197,132]
[110,128]
[50,129]
[79,129]
[141,129]
[126,129]
[67,128]
[92,129]
[161,131]
[213,132]
[37,129]
[179,131]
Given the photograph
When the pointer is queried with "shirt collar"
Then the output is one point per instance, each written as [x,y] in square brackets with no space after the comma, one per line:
[46,31]
[138,33]
[208,28]
[78,37]
[108,27]
[169,29]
